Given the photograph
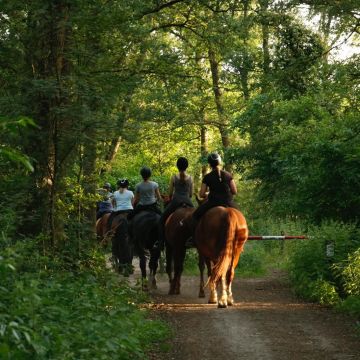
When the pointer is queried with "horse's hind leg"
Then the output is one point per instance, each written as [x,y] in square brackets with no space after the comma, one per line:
[179,258]
[230,298]
[202,283]
[169,256]
[223,302]
[153,265]
[213,299]
[142,263]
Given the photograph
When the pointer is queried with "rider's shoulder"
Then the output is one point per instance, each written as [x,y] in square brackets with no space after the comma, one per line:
[227,174]
[155,184]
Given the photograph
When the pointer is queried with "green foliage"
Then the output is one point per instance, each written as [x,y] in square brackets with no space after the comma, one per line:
[252,261]
[11,129]
[304,153]
[350,305]
[297,51]
[70,315]
[321,291]
[191,262]
[349,273]
[315,271]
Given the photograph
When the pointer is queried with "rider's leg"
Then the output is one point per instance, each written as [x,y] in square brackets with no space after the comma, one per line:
[160,242]
[195,218]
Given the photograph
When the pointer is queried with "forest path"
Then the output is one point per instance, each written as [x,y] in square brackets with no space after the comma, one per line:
[267,322]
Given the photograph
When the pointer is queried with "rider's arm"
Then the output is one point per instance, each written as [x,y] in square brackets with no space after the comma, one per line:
[191,189]
[203,190]
[233,188]
[171,187]
[157,193]
[136,198]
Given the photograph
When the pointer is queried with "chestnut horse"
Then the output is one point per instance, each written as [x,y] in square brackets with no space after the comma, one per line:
[220,237]
[121,247]
[178,228]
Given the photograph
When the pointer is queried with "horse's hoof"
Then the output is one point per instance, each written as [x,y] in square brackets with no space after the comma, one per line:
[222,305]
[201,294]
[212,302]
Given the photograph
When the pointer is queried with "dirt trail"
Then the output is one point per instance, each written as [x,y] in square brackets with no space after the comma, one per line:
[267,322]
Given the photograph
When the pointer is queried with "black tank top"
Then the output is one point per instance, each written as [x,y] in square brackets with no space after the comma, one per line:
[219,185]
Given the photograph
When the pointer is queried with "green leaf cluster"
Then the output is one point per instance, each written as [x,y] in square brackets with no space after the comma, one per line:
[70,315]
[326,267]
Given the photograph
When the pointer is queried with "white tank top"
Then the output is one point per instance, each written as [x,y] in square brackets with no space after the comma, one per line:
[123,200]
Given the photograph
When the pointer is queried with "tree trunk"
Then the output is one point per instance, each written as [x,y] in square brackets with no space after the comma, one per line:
[48,62]
[264,4]
[223,122]
[244,71]
[89,185]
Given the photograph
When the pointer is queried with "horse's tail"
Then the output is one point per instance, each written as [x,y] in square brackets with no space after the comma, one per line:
[228,239]
[120,240]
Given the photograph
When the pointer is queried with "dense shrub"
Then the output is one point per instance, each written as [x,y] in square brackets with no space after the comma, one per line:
[251,261]
[57,314]
[323,275]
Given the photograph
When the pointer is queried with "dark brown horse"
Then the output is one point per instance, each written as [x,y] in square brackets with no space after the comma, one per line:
[144,230]
[178,228]
[117,233]
[220,237]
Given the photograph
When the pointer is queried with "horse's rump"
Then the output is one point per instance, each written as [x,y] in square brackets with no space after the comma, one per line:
[220,236]
[145,228]
[178,225]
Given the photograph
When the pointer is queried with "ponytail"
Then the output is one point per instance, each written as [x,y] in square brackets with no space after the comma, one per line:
[219,174]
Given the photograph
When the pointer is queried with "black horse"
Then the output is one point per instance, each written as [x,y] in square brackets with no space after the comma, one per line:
[114,227]
[144,232]
[122,249]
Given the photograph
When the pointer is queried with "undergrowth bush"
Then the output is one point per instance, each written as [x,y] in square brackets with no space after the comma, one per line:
[326,268]
[52,313]
[191,266]
[251,261]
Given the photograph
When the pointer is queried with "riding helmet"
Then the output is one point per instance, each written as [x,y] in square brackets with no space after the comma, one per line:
[107,186]
[123,183]
[214,159]
[182,164]
[145,172]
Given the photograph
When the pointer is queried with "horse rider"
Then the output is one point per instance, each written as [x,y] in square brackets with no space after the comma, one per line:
[180,192]
[105,205]
[122,200]
[218,186]
[147,194]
